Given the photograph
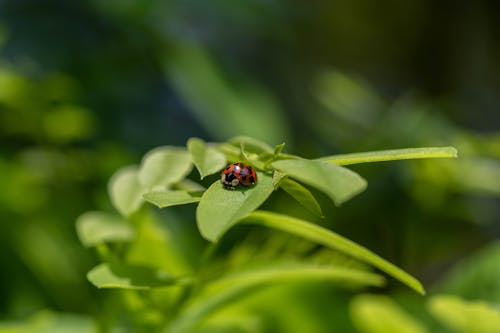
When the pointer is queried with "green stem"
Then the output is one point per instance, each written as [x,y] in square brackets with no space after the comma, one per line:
[392,155]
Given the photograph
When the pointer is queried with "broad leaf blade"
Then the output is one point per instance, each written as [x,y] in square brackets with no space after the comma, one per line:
[380,314]
[188,185]
[94,228]
[465,316]
[392,155]
[302,195]
[231,288]
[123,276]
[207,160]
[172,198]
[223,108]
[475,277]
[164,166]
[340,184]
[251,145]
[125,190]
[332,240]
[219,208]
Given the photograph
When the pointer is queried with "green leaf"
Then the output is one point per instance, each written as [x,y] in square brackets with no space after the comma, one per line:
[251,145]
[164,166]
[223,108]
[391,155]
[161,245]
[338,183]
[207,160]
[172,198]
[279,148]
[226,291]
[332,240]
[351,100]
[475,277]
[297,272]
[125,190]
[188,185]
[220,209]
[123,276]
[94,228]
[278,177]
[302,195]
[46,321]
[380,314]
[465,316]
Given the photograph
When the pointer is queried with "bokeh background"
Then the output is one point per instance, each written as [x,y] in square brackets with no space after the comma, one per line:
[89,86]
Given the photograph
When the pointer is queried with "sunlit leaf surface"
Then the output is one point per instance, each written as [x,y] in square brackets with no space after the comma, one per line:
[220,209]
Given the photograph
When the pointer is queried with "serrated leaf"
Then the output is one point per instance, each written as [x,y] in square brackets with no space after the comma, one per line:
[302,195]
[206,159]
[332,240]
[124,276]
[233,287]
[392,155]
[172,198]
[220,209]
[465,316]
[125,190]
[164,166]
[94,228]
[340,184]
[380,314]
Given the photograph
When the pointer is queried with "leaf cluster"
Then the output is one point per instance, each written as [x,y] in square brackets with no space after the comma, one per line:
[139,253]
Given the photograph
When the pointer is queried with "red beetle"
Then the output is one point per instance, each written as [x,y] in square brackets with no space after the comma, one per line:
[238,174]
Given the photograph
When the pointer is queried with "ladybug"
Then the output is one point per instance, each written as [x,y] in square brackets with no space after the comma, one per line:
[238,174]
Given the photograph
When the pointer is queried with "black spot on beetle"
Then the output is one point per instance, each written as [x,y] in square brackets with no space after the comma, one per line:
[229,177]
[252,179]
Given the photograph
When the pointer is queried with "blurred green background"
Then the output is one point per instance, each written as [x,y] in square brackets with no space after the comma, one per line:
[89,86]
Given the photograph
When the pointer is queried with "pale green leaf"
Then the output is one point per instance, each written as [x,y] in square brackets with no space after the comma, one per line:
[251,145]
[227,290]
[340,184]
[188,185]
[475,277]
[332,240]
[158,245]
[47,321]
[349,99]
[278,177]
[207,159]
[123,276]
[392,155]
[125,190]
[172,198]
[302,195]
[279,148]
[94,228]
[220,209]
[223,108]
[380,314]
[465,316]
[164,166]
